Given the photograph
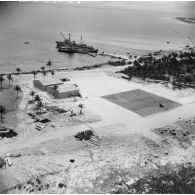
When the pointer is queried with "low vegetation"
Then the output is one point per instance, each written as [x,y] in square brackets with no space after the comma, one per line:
[18,89]
[176,67]
[117,63]
[178,181]
[90,67]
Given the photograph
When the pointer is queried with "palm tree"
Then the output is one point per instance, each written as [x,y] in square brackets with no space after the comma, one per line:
[32,93]
[1,80]
[39,105]
[49,64]
[10,78]
[3,111]
[81,106]
[37,98]
[52,73]
[55,87]
[44,73]
[18,89]
[34,74]
[18,70]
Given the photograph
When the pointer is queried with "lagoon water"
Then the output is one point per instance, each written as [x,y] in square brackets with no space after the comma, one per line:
[120,27]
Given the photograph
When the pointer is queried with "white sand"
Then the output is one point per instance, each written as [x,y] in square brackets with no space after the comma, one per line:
[115,119]
[48,152]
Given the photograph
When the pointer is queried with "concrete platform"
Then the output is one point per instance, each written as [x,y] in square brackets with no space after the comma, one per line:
[142,102]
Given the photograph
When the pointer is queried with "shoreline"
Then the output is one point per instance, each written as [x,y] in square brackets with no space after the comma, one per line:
[94,66]
[59,62]
[60,69]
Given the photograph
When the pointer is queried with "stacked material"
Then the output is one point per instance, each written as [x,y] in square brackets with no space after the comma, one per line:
[6,132]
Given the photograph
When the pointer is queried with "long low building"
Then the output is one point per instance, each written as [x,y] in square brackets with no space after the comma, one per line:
[43,84]
[64,91]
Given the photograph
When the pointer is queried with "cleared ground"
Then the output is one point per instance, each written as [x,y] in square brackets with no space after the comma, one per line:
[142,102]
[128,149]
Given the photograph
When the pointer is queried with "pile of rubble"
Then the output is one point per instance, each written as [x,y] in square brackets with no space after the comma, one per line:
[88,137]
[7,132]
[55,109]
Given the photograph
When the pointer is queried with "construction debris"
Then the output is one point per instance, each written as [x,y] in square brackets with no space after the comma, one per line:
[2,163]
[88,137]
[7,132]
[72,160]
[15,155]
[56,109]
[39,127]
[8,160]
[72,113]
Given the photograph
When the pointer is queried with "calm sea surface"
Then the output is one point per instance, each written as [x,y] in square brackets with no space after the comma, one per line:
[110,26]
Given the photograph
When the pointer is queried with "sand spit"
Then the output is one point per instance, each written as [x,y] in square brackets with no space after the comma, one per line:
[186,20]
[131,146]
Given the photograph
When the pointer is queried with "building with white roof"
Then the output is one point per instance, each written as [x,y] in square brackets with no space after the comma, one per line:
[64,91]
[43,84]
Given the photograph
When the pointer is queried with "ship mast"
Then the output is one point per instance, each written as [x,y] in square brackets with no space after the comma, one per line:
[69,36]
[81,40]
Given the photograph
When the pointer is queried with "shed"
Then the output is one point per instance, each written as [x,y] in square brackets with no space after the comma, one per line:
[64,91]
[46,82]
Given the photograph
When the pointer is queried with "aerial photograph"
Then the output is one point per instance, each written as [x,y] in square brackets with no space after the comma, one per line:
[97,97]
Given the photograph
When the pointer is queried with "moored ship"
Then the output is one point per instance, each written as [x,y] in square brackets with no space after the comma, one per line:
[68,46]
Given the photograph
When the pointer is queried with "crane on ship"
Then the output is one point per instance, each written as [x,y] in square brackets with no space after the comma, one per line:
[63,36]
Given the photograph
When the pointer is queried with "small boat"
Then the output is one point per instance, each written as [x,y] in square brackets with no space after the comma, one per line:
[26,42]
[156,53]
[93,55]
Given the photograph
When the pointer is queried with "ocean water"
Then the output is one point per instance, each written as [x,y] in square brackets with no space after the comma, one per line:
[120,27]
